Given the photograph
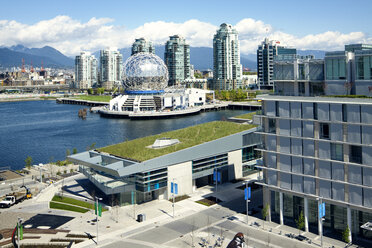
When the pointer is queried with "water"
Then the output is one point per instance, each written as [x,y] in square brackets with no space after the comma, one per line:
[44,130]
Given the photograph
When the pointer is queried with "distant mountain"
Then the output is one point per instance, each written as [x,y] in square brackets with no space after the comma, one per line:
[50,57]
[46,51]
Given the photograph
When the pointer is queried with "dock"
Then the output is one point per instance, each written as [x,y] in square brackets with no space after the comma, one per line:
[81,102]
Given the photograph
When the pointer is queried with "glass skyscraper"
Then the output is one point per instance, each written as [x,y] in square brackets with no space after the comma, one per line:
[111,65]
[177,59]
[265,61]
[227,70]
[141,45]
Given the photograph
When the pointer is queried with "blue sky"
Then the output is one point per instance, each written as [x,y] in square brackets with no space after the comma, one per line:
[290,21]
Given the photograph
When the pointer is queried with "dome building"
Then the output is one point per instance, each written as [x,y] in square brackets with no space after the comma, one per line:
[145,80]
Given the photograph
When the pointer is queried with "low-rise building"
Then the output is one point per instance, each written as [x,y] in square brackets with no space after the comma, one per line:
[143,168]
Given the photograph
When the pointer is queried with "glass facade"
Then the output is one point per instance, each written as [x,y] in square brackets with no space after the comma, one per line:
[363,66]
[177,59]
[335,68]
[209,163]
[321,147]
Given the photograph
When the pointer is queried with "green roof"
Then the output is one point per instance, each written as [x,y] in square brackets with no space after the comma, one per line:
[191,136]
[247,116]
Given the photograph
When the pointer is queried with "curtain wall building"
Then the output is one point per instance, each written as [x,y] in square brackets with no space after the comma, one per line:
[85,70]
[177,59]
[265,61]
[141,45]
[227,70]
[111,66]
[349,71]
[318,149]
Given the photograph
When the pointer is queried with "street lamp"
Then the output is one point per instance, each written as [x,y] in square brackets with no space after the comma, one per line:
[97,213]
[247,196]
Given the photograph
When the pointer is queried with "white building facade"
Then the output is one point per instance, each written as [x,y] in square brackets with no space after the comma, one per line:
[85,71]
[227,70]
[111,66]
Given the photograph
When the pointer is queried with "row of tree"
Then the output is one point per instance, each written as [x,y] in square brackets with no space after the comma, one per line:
[231,95]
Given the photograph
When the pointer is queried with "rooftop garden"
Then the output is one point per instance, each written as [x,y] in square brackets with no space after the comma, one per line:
[247,116]
[94,98]
[191,136]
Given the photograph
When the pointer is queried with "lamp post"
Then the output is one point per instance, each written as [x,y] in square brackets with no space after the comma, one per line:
[321,213]
[97,213]
[247,196]
[174,191]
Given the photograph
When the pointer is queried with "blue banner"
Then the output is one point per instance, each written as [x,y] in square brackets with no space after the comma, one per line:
[247,193]
[156,186]
[321,210]
[132,197]
[218,175]
[174,188]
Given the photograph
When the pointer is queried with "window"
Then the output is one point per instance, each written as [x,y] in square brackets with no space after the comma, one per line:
[337,152]
[355,155]
[272,126]
[324,131]
[315,110]
[344,113]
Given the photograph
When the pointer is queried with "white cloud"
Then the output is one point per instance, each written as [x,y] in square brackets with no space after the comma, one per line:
[70,36]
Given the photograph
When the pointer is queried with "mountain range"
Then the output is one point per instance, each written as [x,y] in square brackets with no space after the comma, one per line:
[200,57]
[50,57]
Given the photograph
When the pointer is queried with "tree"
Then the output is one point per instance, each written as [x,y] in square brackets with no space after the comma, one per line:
[346,235]
[68,153]
[300,222]
[90,91]
[100,91]
[92,146]
[265,213]
[74,151]
[28,162]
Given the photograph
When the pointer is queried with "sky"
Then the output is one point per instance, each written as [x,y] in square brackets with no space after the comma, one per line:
[73,26]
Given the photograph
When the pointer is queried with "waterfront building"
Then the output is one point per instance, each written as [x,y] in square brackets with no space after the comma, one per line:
[318,149]
[266,52]
[227,70]
[85,70]
[111,66]
[187,157]
[296,75]
[142,45]
[349,72]
[177,59]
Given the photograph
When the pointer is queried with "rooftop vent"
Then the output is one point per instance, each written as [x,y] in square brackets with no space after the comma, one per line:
[164,142]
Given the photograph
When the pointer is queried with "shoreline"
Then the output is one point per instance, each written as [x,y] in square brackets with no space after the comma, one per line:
[26,99]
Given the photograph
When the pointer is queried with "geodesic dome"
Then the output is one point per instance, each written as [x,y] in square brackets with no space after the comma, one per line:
[145,72]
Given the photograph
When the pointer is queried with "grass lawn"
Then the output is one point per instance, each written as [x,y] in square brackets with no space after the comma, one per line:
[248,116]
[94,98]
[188,137]
[72,201]
[209,201]
[62,206]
